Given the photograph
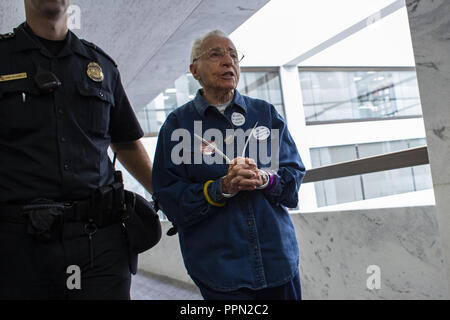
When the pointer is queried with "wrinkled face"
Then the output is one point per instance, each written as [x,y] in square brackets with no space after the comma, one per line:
[222,74]
[47,8]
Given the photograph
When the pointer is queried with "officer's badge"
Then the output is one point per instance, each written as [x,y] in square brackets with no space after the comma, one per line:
[94,71]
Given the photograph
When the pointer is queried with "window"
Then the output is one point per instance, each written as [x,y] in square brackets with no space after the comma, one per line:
[263,85]
[336,94]
[155,113]
[371,185]
[257,83]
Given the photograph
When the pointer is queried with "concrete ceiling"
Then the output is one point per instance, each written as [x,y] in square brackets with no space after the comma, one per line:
[149,39]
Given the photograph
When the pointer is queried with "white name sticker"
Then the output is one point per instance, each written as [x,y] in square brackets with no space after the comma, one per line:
[229,139]
[261,133]
[237,119]
[208,149]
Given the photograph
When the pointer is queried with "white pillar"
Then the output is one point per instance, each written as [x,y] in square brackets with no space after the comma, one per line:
[295,117]
[429,21]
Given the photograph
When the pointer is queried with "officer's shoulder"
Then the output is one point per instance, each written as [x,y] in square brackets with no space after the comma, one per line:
[5,43]
[6,36]
[99,50]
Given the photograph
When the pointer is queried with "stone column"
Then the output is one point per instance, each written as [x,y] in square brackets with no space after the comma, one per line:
[430,30]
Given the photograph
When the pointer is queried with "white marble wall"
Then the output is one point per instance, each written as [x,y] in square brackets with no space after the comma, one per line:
[430,30]
[165,258]
[337,247]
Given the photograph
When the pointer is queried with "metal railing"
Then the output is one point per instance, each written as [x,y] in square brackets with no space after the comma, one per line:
[389,161]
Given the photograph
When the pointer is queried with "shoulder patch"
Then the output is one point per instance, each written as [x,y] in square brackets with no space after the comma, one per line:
[99,50]
[7,36]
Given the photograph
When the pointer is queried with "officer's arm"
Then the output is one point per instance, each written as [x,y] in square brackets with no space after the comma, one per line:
[135,159]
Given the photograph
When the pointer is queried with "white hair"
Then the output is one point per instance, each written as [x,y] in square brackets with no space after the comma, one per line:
[198,44]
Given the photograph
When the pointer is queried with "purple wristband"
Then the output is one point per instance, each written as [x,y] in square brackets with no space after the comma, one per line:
[273,180]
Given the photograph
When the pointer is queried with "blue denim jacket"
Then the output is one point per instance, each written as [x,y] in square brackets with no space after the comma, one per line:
[249,242]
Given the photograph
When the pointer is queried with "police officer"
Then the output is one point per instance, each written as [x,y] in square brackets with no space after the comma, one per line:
[62,104]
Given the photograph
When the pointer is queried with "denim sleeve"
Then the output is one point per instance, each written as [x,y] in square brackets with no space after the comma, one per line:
[291,169]
[181,200]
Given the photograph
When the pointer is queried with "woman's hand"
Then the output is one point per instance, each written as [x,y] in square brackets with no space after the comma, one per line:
[243,175]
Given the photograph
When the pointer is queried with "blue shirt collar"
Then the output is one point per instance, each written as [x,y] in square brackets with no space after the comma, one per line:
[202,105]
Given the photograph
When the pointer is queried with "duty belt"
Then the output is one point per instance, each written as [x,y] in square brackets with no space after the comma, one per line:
[74,211]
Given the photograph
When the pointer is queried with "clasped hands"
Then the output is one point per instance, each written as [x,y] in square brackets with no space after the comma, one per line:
[243,175]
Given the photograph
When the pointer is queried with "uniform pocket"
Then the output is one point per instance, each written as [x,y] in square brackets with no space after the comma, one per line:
[96,108]
[21,109]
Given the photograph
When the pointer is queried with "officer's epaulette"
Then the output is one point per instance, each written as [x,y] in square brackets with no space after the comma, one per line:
[7,36]
[98,49]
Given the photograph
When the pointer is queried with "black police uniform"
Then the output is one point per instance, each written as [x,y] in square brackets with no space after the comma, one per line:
[53,145]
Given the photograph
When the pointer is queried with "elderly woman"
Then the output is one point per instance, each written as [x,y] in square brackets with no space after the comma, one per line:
[226,200]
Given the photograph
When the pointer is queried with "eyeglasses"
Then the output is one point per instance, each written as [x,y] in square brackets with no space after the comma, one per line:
[216,54]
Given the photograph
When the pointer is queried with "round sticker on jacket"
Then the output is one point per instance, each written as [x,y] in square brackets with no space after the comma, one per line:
[261,133]
[238,119]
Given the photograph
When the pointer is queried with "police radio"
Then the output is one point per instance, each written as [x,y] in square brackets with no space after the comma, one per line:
[46,81]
